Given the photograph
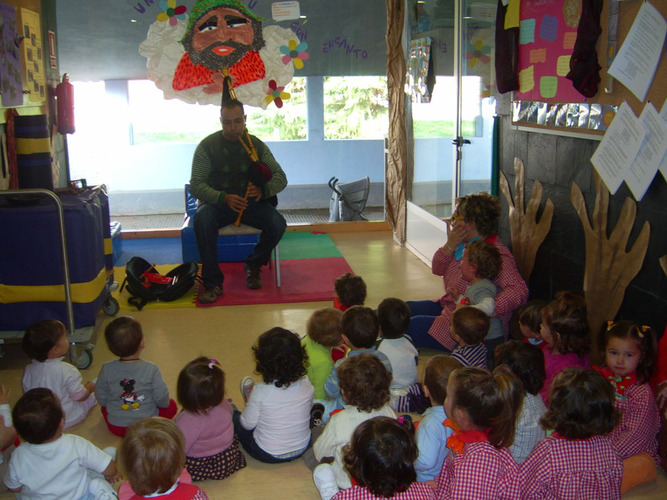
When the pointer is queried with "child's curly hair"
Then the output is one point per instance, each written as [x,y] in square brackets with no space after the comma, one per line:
[643,336]
[581,405]
[566,316]
[365,381]
[485,257]
[351,290]
[325,326]
[280,357]
[381,455]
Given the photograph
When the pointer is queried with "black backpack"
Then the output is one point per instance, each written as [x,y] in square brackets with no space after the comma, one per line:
[145,284]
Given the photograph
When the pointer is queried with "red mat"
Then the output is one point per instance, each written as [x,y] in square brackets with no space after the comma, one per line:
[303,280]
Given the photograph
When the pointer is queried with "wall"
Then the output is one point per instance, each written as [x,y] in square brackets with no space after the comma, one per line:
[557,161]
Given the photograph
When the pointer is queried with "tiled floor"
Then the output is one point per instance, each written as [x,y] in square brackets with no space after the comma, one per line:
[175,221]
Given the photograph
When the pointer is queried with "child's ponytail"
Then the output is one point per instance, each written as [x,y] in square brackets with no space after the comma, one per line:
[643,336]
[492,401]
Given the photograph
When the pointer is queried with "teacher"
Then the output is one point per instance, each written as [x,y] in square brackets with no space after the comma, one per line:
[475,217]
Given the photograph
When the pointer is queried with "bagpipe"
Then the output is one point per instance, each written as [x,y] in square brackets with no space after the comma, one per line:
[259,174]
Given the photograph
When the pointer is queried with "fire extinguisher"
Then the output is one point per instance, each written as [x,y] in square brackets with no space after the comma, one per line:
[65,98]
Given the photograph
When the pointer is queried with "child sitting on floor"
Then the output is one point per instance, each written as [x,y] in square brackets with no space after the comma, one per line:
[380,458]
[211,448]
[566,335]
[323,333]
[394,318]
[152,457]
[130,389]
[578,459]
[629,352]
[46,343]
[480,265]
[469,328]
[530,319]
[275,424]
[526,361]
[431,434]
[482,408]
[364,383]
[360,332]
[350,291]
[50,464]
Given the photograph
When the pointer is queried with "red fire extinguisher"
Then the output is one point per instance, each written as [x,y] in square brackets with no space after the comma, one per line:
[65,98]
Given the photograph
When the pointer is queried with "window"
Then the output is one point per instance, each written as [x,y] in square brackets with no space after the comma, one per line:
[155,120]
[355,107]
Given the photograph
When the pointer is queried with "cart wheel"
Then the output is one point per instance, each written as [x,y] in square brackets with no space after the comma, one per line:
[110,306]
[83,360]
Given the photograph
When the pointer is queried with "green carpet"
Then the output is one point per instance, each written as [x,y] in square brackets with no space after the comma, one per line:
[307,246]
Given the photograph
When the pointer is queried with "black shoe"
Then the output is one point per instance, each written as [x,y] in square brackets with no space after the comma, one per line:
[253,277]
[316,414]
[210,294]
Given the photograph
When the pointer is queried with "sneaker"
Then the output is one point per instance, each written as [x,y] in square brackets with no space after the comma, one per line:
[325,481]
[316,413]
[246,388]
[253,278]
[210,294]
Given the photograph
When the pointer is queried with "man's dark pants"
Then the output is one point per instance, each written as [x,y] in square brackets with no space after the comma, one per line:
[209,218]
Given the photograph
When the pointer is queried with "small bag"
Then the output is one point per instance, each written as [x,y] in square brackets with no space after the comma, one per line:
[145,284]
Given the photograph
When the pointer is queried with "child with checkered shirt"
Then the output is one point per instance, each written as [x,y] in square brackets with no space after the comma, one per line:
[578,459]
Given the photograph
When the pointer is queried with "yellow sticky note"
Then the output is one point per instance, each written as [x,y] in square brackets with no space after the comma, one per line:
[512,14]
[527,79]
[538,56]
[548,86]
[563,65]
[569,37]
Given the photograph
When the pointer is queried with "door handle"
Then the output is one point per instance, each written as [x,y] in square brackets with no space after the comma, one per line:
[459,141]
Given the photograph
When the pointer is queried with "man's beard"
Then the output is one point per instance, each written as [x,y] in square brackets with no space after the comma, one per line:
[207,57]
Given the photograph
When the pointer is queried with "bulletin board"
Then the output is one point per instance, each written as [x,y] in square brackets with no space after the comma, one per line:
[530,109]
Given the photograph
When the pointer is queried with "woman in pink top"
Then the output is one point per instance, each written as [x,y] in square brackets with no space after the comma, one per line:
[475,217]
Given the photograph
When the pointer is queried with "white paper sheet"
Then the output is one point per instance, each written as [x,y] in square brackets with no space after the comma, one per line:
[635,64]
[642,171]
[663,165]
[619,147]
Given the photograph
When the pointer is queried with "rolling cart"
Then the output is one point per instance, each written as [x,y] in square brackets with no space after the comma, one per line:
[49,255]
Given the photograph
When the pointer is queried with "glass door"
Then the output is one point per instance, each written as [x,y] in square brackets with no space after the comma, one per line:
[451,113]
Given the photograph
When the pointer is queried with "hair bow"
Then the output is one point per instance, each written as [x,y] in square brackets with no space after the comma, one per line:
[212,362]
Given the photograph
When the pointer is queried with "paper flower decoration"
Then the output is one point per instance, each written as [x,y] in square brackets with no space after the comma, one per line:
[479,54]
[275,94]
[171,12]
[294,53]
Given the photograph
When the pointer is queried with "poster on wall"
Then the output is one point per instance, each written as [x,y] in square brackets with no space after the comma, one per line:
[33,56]
[547,34]
[11,84]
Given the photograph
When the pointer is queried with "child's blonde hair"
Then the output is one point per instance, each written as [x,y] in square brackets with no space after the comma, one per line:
[566,316]
[325,326]
[643,336]
[491,400]
[152,455]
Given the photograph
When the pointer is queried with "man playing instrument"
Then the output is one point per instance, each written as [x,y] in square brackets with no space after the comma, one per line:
[228,182]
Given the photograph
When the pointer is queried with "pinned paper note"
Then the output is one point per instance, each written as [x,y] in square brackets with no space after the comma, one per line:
[635,64]
[563,65]
[549,28]
[548,86]
[527,31]
[526,79]
[569,39]
[538,56]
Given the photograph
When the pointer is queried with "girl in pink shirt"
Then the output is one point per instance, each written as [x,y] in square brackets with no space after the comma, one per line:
[211,448]
[566,336]
[482,408]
